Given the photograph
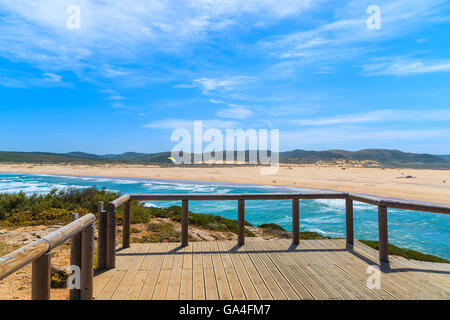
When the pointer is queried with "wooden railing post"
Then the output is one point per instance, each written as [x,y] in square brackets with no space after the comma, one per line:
[110,236]
[40,287]
[241,222]
[349,220]
[295,221]
[87,263]
[75,258]
[102,226]
[126,224]
[383,234]
[184,222]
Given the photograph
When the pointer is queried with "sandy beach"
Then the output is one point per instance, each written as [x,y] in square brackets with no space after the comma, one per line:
[424,185]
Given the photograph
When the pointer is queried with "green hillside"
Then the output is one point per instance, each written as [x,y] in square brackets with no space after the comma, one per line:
[383,156]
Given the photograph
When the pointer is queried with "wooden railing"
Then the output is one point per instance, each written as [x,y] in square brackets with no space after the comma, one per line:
[107,218]
[81,233]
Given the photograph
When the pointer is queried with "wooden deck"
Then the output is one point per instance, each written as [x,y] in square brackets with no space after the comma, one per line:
[271,269]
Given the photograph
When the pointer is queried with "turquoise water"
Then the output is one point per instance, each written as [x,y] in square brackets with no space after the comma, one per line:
[426,232]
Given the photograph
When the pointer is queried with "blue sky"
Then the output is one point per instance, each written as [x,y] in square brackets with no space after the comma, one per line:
[136,71]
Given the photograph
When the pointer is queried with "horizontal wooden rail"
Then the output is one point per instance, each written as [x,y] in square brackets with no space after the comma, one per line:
[402,203]
[119,201]
[38,253]
[19,258]
[242,196]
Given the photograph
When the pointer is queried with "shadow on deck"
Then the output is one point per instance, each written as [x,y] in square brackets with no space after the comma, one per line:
[267,269]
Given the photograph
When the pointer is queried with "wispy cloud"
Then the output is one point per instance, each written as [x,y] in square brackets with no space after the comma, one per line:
[402,67]
[346,137]
[348,37]
[209,85]
[380,115]
[37,33]
[234,112]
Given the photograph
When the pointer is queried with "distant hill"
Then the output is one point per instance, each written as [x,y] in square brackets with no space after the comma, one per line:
[383,156]
[445,157]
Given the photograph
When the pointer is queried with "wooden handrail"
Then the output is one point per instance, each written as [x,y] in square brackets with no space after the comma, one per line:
[241,196]
[382,203]
[38,252]
[402,203]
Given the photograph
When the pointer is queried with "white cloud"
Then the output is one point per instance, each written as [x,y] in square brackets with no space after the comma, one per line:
[347,36]
[404,67]
[234,112]
[209,85]
[52,77]
[36,32]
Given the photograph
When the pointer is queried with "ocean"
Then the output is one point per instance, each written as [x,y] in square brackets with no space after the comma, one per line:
[422,231]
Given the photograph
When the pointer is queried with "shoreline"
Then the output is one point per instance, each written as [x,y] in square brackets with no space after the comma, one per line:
[412,184]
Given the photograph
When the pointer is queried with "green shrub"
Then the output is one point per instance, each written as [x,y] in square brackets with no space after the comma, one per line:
[58,279]
[271,226]
[406,253]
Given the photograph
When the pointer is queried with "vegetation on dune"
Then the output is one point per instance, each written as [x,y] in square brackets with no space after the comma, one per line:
[276,230]
[207,221]
[18,209]
[406,253]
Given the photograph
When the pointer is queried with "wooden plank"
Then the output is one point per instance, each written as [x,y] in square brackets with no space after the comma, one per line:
[211,289]
[173,289]
[151,256]
[137,285]
[298,269]
[413,281]
[223,285]
[358,270]
[133,268]
[264,273]
[313,276]
[112,285]
[153,270]
[163,280]
[287,290]
[235,285]
[198,286]
[187,274]
[252,282]
[100,281]
[301,291]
